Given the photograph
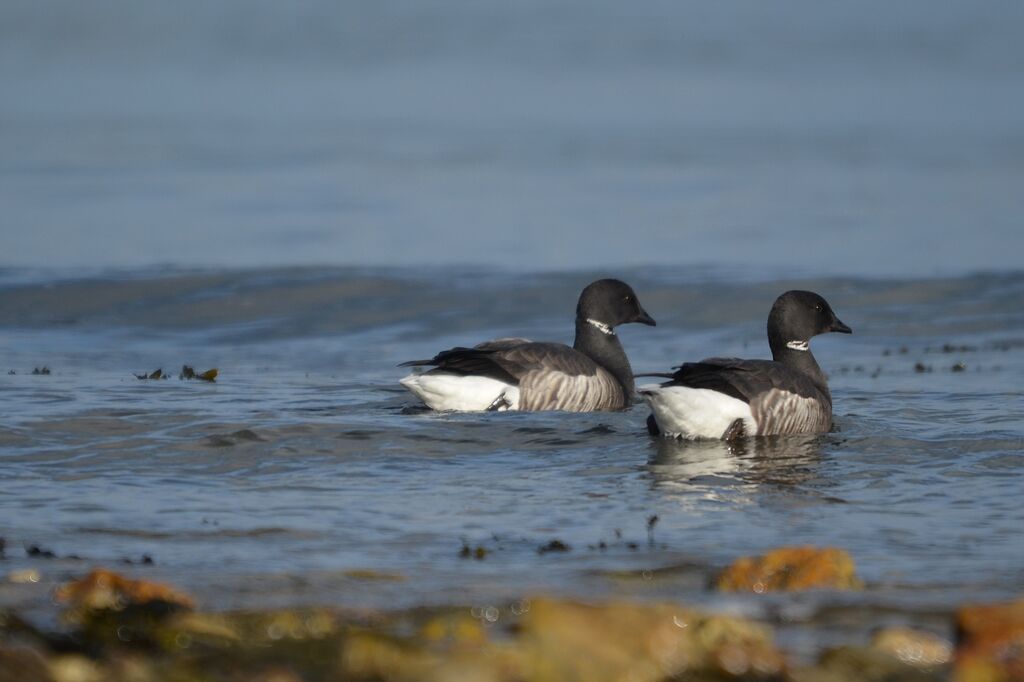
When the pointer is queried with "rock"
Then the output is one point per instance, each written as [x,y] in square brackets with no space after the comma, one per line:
[913,647]
[375,656]
[990,642]
[564,640]
[555,640]
[25,575]
[863,664]
[136,631]
[76,669]
[791,568]
[105,589]
[895,655]
[210,629]
[22,664]
[454,628]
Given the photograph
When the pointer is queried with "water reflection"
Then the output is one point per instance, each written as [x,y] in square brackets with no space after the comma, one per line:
[714,465]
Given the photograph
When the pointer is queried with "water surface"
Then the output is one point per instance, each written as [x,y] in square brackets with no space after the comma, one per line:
[306,460]
[291,193]
[869,139]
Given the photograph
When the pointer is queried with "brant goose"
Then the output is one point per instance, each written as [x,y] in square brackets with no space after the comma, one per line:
[517,374]
[728,398]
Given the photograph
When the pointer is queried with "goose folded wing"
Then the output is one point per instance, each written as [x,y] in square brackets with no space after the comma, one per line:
[505,343]
[546,357]
[513,362]
[743,379]
[471,362]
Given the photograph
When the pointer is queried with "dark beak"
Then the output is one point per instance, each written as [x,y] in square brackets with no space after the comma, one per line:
[838,326]
[644,318]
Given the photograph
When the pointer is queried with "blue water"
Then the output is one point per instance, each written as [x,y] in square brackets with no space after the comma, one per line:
[870,139]
[305,195]
[306,459]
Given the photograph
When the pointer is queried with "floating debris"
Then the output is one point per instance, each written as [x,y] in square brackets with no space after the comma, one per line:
[189,373]
[921,368]
[791,568]
[554,546]
[652,521]
[479,552]
[226,440]
[600,429]
[958,367]
[45,371]
[39,553]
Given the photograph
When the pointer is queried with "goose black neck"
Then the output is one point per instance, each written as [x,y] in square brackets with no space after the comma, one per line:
[605,350]
[801,361]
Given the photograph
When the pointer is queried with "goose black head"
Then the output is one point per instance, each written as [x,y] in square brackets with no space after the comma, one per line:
[799,315]
[609,303]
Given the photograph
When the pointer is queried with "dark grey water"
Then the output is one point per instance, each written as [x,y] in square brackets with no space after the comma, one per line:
[304,461]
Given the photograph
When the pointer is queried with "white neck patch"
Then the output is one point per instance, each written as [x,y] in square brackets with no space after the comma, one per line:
[601,327]
[797,345]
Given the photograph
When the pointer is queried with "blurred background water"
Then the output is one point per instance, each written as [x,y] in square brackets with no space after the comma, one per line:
[871,138]
[305,194]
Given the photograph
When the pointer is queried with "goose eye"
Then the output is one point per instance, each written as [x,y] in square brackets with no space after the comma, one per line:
[628,299]
[818,307]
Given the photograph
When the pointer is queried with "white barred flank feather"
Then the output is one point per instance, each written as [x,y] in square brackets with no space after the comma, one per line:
[553,390]
[779,412]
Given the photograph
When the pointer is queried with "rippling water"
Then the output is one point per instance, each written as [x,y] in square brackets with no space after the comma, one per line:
[306,459]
